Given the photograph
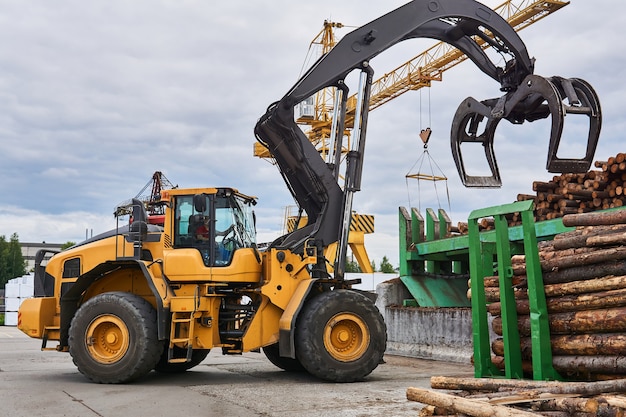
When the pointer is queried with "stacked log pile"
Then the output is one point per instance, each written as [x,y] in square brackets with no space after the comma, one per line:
[584,274]
[512,398]
[564,194]
[580,193]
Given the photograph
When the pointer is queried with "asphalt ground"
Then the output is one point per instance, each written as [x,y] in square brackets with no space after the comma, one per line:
[46,383]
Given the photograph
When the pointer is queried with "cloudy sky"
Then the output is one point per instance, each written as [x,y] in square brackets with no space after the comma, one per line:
[97,95]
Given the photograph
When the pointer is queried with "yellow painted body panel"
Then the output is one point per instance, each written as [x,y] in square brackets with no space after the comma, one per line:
[187,265]
[263,329]
[35,314]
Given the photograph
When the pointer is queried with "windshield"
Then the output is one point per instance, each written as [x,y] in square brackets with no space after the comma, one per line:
[234,212]
[215,224]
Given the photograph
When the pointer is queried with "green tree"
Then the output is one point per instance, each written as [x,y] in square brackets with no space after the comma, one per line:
[385,266]
[4,273]
[12,263]
[67,244]
[352,266]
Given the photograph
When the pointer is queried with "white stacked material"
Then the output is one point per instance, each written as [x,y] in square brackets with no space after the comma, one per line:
[15,292]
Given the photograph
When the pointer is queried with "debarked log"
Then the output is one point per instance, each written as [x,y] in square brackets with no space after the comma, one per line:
[588,286]
[492,384]
[612,344]
[456,404]
[579,322]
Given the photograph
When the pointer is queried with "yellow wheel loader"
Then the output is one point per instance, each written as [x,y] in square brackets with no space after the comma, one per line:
[145,296]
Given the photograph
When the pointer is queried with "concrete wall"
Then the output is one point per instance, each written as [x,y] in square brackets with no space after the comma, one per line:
[428,333]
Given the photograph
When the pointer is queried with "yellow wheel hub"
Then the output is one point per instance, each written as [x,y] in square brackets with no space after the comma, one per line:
[107,338]
[346,337]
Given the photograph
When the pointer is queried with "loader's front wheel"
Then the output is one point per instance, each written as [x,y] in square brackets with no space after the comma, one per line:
[340,336]
[113,338]
[287,364]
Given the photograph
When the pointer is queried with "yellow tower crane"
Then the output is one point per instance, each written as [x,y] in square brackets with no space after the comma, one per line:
[316,112]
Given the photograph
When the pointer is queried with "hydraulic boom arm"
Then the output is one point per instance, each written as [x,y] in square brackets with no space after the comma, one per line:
[315,184]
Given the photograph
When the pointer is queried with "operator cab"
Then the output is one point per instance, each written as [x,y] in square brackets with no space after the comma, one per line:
[215,224]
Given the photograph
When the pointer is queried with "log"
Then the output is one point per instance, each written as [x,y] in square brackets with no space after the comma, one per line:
[543,186]
[583,272]
[547,253]
[615,400]
[463,405]
[597,256]
[603,240]
[582,257]
[587,286]
[590,364]
[612,344]
[579,237]
[591,301]
[586,405]
[595,218]
[554,387]
[578,322]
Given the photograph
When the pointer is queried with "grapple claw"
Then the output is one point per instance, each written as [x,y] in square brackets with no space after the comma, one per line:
[535,98]
[465,126]
[582,100]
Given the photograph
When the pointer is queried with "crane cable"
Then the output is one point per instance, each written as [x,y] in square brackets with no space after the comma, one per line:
[425,157]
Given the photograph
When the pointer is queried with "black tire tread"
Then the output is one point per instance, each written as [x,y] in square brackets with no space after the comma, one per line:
[310,348]
[145,349]
[286,364]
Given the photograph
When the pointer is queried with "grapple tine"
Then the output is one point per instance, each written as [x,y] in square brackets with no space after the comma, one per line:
[582,100]
[465,127]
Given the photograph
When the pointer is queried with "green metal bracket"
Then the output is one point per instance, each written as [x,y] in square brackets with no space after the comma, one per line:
[481,265]
[422,275]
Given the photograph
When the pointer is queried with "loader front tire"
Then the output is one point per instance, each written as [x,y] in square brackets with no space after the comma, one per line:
[340,336]
[113,338]
[286,364]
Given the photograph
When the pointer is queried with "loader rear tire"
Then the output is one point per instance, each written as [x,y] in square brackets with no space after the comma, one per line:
[286,364]
[197,356]
[113,338]
[340,336]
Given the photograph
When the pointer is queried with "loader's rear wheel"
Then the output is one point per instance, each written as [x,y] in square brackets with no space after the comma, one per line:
[287,364]
[197,356]
[113,338]
[340,336]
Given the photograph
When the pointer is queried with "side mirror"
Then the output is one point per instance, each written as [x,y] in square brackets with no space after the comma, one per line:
[199,203]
